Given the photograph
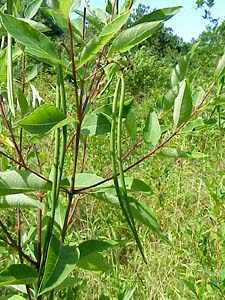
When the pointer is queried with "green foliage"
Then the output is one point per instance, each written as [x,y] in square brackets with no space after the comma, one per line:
[19,201]
[182,104]
[97,43]
[124,98]
[152,130]
[41,120]
[35,42]
[160,15]
[17,274]
[132,37]
[61,261]
[16,182]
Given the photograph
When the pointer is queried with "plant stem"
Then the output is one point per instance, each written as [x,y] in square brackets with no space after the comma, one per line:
[8,125]
[77,137]
[14,245]
[70,195]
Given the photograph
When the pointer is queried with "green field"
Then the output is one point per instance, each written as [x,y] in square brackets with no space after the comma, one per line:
[112,154]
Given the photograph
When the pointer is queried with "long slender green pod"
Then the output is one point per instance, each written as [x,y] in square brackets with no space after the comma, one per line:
[63,107]
[116,155]
[10,65]
[120,163]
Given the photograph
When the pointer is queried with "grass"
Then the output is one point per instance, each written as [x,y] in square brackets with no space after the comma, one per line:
[192,265]
[189,268]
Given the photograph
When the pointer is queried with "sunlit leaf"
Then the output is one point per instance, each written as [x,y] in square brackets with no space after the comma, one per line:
[95,124]
[19,201]
[163,14]
[32,8]
[41,120]
[133,36]
[36,43]
[131,124]
[18,181]
[97,43]
[182,104]
[152,130]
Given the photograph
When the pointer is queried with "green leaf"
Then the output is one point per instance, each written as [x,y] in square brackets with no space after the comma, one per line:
[183,104]
[86,179]
[61,261]
[16,297]
[95,262]
[127,294]
[66,6]
[133,36]
[220,67]
[16,182]
[137,185]
[18,274]
[32,8]
[36,43]
[19,201]
[152,130]
[36,25]
[163,14]
[97,43]
[131,124]
[140,211]
[99,246]
[43,119]
[90,257]
[22,101]
[144,215]
[175,153]
[96,124]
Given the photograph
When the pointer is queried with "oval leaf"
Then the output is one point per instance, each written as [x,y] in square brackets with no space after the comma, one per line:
[97,43]
[163,14]
[19,201]
[41,120]
[18,274]
[95,124]
[66,6]
[32,8]
[131,124]
[36,43]
[90,257]
[152,130]
[182,104]
[140,211]
[15,182]
[133,36]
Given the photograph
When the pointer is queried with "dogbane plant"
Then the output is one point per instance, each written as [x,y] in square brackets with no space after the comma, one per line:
[90,54]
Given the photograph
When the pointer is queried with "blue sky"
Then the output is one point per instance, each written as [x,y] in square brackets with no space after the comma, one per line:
[188,23]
